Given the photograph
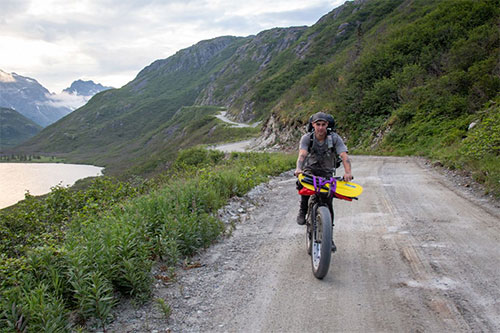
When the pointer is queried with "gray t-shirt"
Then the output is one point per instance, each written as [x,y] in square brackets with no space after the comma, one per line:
[338,143]
[320,160]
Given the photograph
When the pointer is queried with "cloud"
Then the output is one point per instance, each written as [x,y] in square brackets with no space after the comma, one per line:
[12,7]
[59,41]
[64,99]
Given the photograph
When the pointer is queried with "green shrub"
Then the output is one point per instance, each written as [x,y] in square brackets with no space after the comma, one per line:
[480,150]
[109,236]
[483,139]
[93,294]
[44,311]
[197,156]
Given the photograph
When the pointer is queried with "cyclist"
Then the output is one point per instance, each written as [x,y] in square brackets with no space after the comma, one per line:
[318,158]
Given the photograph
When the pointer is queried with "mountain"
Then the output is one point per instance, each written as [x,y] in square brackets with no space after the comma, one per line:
[230,86]
[15,128]
[400,77]
[35,102]
[131,123]
[85,88]
[29,98]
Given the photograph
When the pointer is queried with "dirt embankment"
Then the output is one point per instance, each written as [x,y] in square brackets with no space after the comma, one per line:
[415,253]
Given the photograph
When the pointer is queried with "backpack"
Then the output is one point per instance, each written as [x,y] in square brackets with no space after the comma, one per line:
[330,129]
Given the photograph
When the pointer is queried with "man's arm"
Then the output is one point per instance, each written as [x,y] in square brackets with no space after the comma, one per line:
[347,166]
[300,161]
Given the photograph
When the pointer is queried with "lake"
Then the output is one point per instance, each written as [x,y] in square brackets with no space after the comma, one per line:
[38,178]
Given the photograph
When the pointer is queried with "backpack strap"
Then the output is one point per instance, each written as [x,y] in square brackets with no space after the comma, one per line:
[331,147]
[329,141]
[311,138]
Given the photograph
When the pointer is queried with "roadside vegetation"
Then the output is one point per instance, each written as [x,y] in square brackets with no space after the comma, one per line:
[75,253]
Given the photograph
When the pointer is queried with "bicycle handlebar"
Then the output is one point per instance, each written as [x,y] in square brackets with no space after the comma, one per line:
[336,178]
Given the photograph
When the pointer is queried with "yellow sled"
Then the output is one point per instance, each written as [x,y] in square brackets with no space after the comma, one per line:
[346,189]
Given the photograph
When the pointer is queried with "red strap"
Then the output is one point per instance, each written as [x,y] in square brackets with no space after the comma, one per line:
[340,196]
[306,191]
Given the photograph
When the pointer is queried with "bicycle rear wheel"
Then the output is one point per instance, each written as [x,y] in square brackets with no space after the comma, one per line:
[321,242]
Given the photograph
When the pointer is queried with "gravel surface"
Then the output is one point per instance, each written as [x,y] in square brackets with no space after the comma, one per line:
[417,253]
[240,146]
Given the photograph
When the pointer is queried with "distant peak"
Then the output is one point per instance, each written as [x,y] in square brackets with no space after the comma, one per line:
[83,81]
[6,77]
[85,88]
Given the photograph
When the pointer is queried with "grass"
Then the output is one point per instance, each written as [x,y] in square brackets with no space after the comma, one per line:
[93,246]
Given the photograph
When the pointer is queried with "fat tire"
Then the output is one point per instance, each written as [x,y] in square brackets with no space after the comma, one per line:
[321,248]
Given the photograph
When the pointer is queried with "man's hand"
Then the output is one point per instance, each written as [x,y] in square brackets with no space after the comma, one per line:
[347,177]
[297,172]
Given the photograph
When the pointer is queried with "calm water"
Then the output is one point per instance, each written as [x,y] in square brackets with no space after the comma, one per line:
[38,178]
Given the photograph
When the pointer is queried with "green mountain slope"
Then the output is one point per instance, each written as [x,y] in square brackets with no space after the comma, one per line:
[115,127]
[322,43]
[413,84]
[422,45]
[15,128]
[234,83]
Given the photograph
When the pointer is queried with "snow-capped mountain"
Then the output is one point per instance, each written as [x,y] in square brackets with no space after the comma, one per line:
[35,102]
[29,98]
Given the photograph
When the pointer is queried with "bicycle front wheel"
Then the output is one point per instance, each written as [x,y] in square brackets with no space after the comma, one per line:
[321,246]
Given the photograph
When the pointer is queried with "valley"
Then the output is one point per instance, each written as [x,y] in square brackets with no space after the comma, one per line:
[178,237]
[393,73]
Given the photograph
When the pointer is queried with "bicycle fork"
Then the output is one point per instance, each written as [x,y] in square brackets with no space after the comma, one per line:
[311,216]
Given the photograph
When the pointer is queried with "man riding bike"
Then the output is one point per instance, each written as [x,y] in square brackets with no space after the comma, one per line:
[317,156]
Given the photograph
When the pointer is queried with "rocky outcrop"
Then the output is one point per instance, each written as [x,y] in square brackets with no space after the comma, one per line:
[277,136]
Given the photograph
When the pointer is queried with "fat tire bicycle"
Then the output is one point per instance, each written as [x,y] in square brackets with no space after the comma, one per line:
[319,234]
[319,219]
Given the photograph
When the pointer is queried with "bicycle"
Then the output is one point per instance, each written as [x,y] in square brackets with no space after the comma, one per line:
[319,219]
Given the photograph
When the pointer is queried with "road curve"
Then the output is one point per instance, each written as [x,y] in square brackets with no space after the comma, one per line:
[414,255]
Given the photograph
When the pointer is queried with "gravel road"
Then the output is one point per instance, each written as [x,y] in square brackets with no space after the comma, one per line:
[416,253]
[240,146]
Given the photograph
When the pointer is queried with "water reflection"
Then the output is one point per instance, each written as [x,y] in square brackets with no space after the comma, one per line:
[38,178]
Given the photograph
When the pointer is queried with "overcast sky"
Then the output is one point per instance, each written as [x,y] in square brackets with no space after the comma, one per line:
[110,41]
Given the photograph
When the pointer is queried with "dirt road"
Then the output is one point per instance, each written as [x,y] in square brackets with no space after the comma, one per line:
[240,146]
[415,254]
